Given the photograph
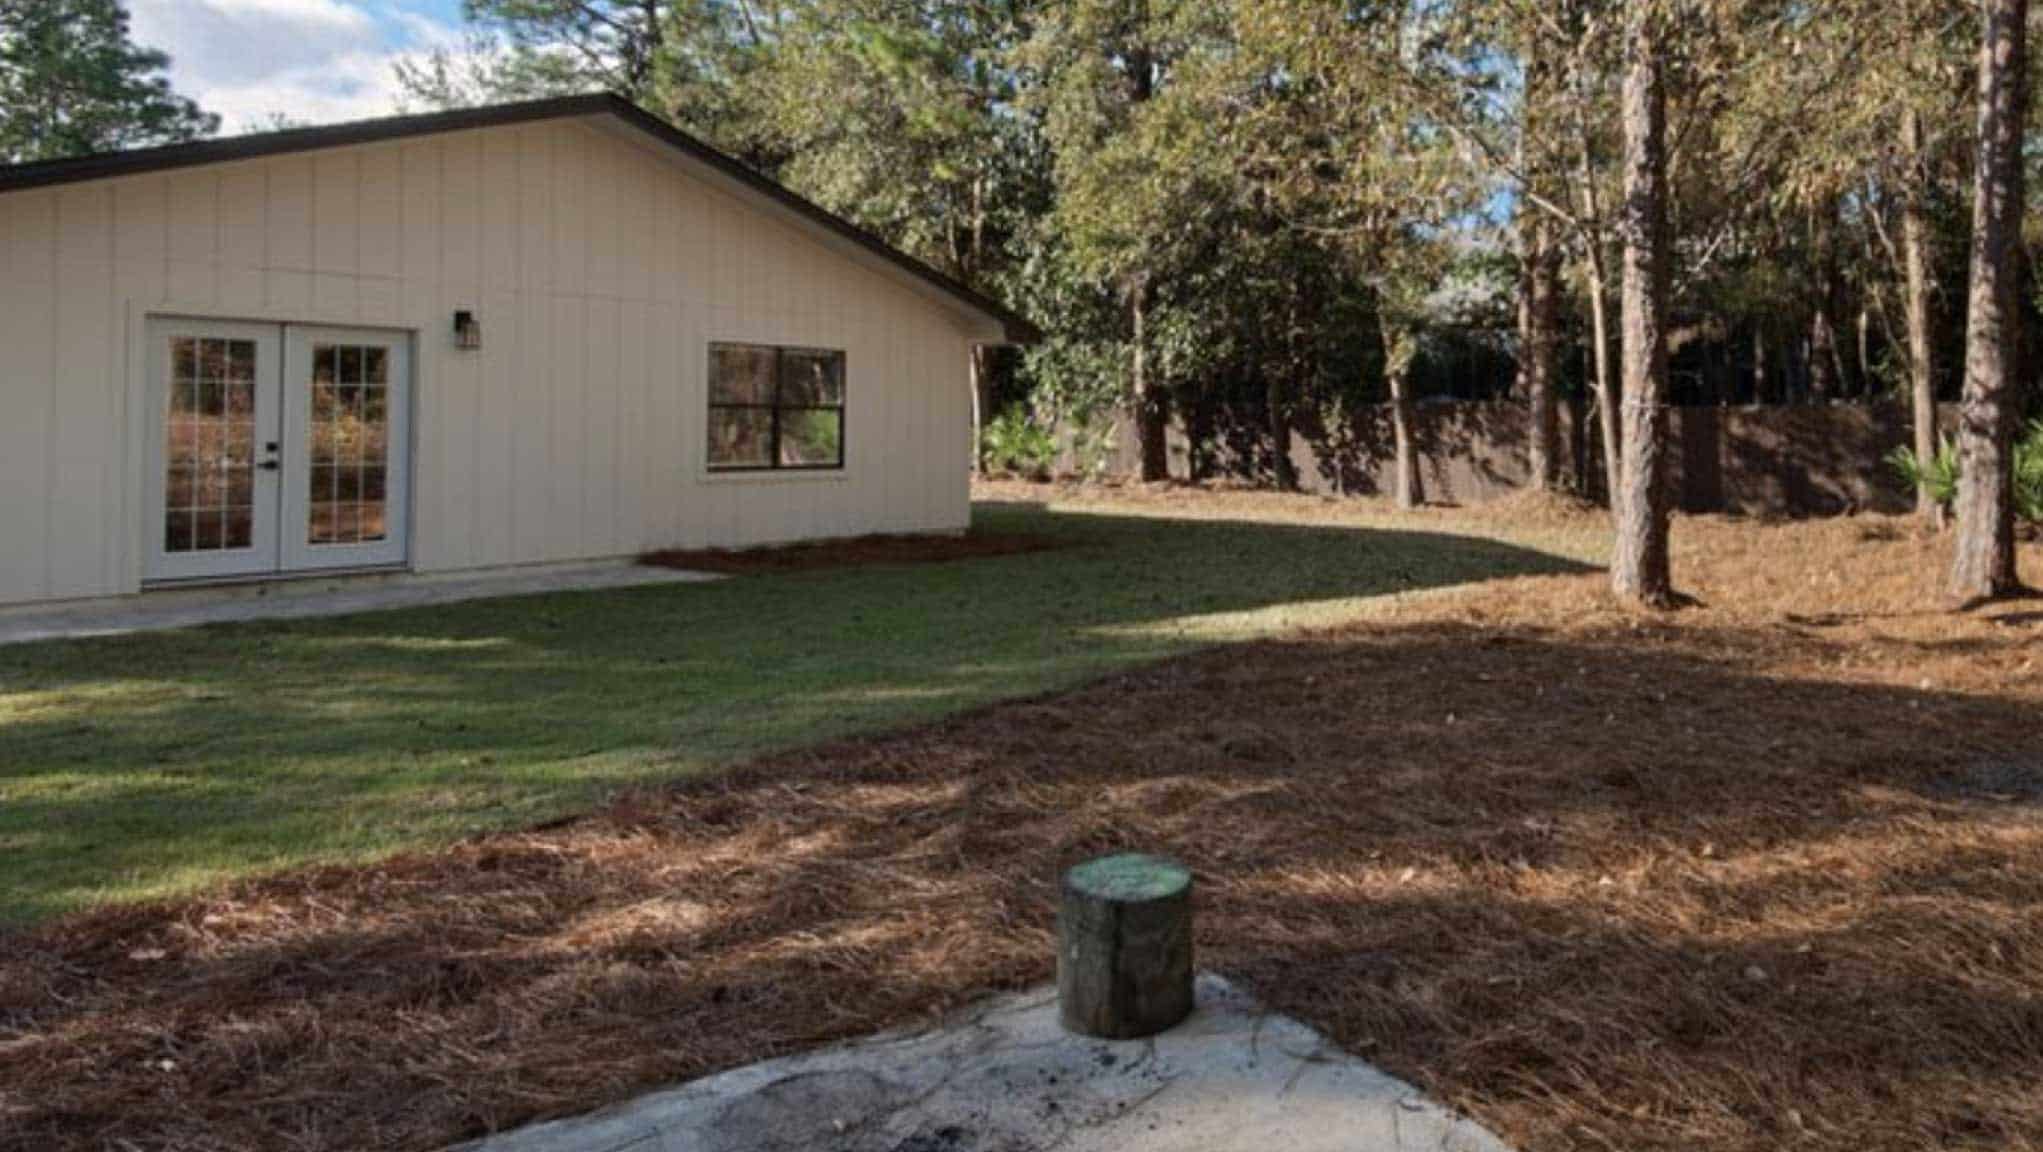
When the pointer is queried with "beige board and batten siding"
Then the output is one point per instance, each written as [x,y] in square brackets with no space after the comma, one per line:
[601,265]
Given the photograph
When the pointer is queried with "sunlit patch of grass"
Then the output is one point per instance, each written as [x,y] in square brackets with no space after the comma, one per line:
[258,746]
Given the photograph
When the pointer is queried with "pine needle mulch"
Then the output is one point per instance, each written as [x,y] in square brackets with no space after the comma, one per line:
[1764,874]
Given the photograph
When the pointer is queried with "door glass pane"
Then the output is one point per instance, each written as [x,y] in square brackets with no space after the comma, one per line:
[209,445]
[349,440]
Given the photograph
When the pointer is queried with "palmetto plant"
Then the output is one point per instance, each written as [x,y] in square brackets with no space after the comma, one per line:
[1937,475]
[1940,473]
[1015,443]
[2029,474]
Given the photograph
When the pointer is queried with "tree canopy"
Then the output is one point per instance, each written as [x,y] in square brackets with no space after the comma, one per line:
[71,82]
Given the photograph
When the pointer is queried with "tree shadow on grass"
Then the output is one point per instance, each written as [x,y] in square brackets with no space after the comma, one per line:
[152,763]
[1603,890]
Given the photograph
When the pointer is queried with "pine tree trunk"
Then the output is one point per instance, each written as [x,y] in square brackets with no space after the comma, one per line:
[1277,402]
[1825,363]
[1150,417]
[1398,352]
[1915,265]
[1984,567]
[1277,414]
[1640,569]
[1760,374]
[1542,315]
[980,403]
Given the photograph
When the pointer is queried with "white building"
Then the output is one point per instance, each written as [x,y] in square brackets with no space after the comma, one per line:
[524,334]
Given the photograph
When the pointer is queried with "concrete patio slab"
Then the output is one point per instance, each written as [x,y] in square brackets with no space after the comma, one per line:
[299,599]
[1007,1078]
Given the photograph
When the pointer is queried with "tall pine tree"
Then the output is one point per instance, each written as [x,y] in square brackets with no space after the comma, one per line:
[71,82]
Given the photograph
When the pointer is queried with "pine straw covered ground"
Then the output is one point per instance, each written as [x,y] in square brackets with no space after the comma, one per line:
[1764,874]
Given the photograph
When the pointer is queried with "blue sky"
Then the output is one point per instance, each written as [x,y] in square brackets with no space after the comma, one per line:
[316,61]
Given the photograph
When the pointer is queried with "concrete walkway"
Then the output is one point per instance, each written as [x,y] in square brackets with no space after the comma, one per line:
[1007,1078]
[301,599]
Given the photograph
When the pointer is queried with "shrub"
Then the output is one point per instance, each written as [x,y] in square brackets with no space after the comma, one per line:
[2029,474]
[1940,473]
[1014,443]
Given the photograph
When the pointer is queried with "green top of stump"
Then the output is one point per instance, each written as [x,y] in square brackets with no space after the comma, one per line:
[1130,878]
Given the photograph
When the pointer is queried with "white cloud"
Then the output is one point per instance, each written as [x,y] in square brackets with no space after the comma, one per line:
[317,61]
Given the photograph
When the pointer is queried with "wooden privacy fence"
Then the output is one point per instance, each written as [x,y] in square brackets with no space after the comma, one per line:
[1784,460]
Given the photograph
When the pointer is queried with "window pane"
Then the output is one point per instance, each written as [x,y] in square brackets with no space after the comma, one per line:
[811,379]
[740,437]
[811,437]
[739,375]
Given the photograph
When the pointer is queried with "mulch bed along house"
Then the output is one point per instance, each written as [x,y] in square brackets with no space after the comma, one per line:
[1761,875]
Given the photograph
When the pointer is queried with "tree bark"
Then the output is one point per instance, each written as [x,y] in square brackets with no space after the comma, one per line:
[1606,386]
[978,409]
[1915,258]
[1277,402]
[1124,947]
[1640,569]
[1984,566]
[1398,352]
[1542,299]
[1150,417]
[1759,365]
[1608,391]
[1826,363]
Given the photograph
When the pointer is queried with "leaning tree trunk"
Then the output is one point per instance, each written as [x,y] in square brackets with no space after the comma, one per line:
[1915,259]
[1609,393]
[1640,569]
[1984,566]
[1542,315]
[1606,387]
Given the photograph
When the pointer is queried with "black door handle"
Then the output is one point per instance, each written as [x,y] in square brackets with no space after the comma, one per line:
[270,466]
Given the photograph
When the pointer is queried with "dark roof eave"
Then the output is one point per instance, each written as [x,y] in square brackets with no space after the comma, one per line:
[1017,328]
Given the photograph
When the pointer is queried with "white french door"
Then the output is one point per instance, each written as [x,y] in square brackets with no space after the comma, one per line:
[347,430]
[276,448]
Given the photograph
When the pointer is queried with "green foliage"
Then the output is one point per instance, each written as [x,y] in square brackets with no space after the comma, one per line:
[2029,474]
[71,82]
[1013,442]
[1941,473]
[1938,474]
[1285,191]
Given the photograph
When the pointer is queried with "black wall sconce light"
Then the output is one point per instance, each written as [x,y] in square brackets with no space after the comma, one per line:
[467,330]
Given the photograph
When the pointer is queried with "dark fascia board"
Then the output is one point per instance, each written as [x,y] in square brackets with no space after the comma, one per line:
[107,165]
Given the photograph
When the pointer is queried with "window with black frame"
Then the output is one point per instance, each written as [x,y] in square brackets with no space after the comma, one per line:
[775,409]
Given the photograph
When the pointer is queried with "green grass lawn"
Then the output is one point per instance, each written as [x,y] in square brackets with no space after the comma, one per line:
[156,764]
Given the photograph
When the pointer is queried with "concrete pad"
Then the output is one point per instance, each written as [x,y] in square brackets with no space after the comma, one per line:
[300,599]
[1007,1078]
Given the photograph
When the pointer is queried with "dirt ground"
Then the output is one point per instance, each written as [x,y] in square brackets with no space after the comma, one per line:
[1762,874]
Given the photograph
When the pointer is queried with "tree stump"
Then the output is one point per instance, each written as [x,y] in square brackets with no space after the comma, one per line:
[1124,947]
